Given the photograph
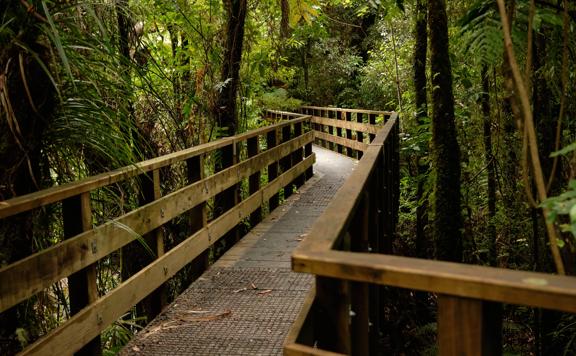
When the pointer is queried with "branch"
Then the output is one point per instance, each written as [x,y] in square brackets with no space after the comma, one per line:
[533,143]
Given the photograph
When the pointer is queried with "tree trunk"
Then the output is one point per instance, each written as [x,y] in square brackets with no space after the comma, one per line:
[421,101]
[226,114]
[446,152]
[490,163]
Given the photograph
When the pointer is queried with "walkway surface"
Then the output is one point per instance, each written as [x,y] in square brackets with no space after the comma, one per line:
[246,302]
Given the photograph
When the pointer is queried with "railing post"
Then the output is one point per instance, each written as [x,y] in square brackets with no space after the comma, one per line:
[339,130]
[332,319]
[254,179]
[330,115]
[77,217]
[469,327]
[230,197]
[272,141]
[359,134]
[349,151]
[198,216]
[286,162]
[363,336]
[298,155]
[372,122]
[308,152]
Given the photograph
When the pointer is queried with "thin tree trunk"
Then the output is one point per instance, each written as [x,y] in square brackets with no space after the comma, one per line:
[446,152]
[490,163]
[421,101]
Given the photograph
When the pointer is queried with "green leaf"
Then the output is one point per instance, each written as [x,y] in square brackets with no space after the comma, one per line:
[565,150]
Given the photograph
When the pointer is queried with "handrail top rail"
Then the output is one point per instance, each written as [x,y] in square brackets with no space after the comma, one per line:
[361,111]
[54,194]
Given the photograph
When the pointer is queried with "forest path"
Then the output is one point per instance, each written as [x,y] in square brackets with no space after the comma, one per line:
[245,303]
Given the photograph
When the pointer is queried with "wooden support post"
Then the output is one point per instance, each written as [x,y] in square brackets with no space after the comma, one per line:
[198,215]
[254,180]
[298,155]
[332,315]
[271,141]
[286,162]
[339,130]
[372,122]
[359,134]
[155,239]
[349,151]
[469,327]
[363,336]
[77,217]
[230,197]
[330,115]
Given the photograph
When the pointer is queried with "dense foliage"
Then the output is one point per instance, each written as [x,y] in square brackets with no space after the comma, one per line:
[87,87]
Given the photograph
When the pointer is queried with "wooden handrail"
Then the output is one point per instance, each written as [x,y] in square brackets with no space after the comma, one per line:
[77,254]
[51,195]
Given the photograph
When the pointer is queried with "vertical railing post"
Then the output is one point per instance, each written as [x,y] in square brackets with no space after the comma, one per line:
[298,155]
[198,216]
[330,115]
[359,134]
[349,151]
[332,318]
[254,179]
[339,130]
[469,327]
[230,197]
[286,162]
[77,217]
[272,141]
[361,331]
[308,152]
[372,118]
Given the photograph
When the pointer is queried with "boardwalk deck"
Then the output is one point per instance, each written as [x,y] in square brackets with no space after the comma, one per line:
[245,303]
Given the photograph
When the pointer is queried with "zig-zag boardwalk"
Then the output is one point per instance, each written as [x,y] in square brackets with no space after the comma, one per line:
[246,302]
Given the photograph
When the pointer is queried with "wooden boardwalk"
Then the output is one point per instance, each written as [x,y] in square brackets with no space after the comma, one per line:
[245,303]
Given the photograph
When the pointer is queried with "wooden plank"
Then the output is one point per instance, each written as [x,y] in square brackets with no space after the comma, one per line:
[58,193]
[301,328]
[469,327]
[89,322]
[271,142]
[254,180]
[349,125]
[360,146]
[532,289]
[28,276]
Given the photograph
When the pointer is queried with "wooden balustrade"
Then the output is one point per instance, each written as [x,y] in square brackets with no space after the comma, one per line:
[288,158]
[348,250]
[346,131]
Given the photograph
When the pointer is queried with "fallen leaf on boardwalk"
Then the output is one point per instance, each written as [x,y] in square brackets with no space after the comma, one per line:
[136,348]
[224,314]
[240,290]
[264,292]
[253,286]
[197,311]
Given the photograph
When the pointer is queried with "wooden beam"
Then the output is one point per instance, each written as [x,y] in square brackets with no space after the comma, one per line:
[90,321]
[349,125]
[384,113]
[28,276]
[360,146]
[539,290]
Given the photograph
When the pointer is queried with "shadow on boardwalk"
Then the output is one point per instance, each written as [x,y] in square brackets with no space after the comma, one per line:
[245,303]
